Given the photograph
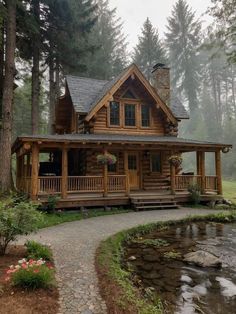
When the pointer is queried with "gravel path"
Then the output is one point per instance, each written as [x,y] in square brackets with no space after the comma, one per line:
[74,245]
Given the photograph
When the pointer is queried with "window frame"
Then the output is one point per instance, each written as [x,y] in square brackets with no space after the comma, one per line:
[151,162]
[109,114]
[135,104]
[141,116]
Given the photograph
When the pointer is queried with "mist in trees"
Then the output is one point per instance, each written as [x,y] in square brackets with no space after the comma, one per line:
[149,50]
[42,40]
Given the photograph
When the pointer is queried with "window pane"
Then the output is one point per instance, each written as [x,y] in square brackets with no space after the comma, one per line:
[132,162]
[156,162]
[129,115]
[114,113]
[145,116]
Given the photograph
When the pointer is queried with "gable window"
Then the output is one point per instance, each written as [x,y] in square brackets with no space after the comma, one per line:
[114,113]
[130,115]
[145,112]
[156,162]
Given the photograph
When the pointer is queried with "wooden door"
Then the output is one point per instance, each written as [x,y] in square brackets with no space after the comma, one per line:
[133,170]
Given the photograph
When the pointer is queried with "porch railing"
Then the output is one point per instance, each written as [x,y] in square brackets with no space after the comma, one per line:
[211,183]
[182,182]
[81,184]
[85,184]
[49,185]
[116,183]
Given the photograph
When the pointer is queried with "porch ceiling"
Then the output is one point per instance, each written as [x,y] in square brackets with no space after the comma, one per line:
[165,142]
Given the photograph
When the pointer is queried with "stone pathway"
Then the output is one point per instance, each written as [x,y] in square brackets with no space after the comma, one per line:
[74,245]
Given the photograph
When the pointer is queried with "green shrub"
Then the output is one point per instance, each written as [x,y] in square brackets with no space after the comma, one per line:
[36,250]
[15,220]
[34,277]
[195,193]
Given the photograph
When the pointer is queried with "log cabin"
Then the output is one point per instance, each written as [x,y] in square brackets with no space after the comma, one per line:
[129,119]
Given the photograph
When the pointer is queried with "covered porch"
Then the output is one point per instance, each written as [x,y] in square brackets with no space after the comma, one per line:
[69,168]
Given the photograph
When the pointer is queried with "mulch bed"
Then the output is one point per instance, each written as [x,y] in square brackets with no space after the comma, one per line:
[19,301]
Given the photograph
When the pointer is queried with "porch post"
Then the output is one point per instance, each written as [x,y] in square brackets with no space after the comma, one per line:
[35,169]
[28,166]
[18,159]
[64,172]
[105,177]
[126,168]
[218,172]
[198,159]
[203,172]
[172,177]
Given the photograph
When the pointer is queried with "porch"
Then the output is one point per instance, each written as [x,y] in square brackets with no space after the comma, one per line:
[71,171]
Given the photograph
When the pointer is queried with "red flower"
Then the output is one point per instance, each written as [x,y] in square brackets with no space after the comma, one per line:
[36,271]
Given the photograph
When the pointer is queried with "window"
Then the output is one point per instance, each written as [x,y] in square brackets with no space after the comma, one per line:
[156,162]
[145,111]
[114,113]
[129,115]
[132,162]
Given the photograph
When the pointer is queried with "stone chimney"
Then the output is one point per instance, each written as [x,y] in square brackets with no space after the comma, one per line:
[161,81]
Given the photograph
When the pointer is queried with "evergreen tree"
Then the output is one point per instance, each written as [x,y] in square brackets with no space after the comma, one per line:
[182,40]
[109,55]
[224,13]
[149,50]
[7,98]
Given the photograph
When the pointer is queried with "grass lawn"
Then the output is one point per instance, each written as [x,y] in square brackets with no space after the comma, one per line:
[58,218]
[229,190]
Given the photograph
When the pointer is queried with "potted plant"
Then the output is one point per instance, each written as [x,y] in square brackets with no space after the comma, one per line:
[106,159]
[175,160]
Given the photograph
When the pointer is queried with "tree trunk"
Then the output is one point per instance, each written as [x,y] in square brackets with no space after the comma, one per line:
[57,79]
[35,71]
[5,145]
[52,93]
[1,69]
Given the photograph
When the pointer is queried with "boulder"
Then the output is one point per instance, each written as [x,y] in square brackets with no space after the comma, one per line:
[203,259]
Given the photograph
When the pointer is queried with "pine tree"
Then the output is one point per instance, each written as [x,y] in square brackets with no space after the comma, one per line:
[224,13]
[7,99]
[109,55]
[149,50]
[183,40]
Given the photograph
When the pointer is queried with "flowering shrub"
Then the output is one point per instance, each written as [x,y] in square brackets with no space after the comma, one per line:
[31,274]
[175,160]
[108,159]
[36,250]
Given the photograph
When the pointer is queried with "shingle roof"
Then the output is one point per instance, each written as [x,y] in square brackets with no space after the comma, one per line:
[121,138]
[177,108]
[87,92]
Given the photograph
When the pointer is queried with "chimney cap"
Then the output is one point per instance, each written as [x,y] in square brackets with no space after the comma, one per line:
[159,66]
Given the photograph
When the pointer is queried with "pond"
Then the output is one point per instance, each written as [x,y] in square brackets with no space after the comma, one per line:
[157,265]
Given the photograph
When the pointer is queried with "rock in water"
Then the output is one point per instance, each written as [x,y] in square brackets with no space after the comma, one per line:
[203,259]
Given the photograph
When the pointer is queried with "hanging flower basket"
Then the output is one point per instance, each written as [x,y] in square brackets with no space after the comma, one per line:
[106,159]
[175,160]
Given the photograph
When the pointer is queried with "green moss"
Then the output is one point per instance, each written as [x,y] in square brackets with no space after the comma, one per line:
[172,255]
[153,242]
[109,259]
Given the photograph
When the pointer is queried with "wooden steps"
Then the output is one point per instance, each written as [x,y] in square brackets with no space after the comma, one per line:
[154,202]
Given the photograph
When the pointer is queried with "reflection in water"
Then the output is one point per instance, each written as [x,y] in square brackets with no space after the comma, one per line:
[187,288]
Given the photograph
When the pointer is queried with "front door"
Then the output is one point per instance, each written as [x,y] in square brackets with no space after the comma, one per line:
[133,169]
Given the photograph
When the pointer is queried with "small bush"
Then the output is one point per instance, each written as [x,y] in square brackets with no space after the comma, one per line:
[31,275]
[36,250]
[16,219]
[195,193]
